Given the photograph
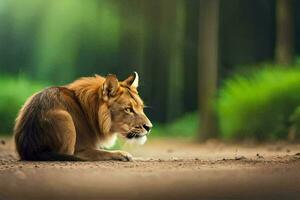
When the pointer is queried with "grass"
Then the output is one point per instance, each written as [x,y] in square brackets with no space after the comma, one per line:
[259,105]
[184,127]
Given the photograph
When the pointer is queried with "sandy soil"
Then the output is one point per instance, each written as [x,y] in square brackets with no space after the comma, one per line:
[162,169]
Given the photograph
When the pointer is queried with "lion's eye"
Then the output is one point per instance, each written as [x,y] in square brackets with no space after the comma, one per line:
[128,110]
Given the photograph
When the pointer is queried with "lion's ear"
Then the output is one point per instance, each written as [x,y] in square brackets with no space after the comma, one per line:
[110,86]
[132,80]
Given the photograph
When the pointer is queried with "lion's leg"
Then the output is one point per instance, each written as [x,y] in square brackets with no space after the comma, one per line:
[100,155]
[61,131]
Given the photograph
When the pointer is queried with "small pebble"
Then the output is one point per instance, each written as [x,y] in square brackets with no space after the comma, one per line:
[259,156]
[174,159]
[240,158]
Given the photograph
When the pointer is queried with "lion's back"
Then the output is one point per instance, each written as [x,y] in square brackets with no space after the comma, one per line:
[27,129]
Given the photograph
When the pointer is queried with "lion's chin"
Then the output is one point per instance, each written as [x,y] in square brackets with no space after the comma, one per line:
[137,140]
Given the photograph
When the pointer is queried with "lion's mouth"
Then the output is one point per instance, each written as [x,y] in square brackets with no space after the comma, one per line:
[135,135]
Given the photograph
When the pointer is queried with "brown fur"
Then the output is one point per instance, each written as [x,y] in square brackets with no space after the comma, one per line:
[71,122]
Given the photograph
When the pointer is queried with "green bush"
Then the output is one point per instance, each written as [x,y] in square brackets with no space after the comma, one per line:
[259,105]
[13,93]
[294,130]
[184,127]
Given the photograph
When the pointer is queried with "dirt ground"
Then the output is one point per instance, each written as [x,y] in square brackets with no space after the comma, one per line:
[162,169]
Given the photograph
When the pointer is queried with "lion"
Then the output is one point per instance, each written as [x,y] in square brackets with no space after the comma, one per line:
[77,121]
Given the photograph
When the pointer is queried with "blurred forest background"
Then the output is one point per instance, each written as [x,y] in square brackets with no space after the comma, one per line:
[208,68]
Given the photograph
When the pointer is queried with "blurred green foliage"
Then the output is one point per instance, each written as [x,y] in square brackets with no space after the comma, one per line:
[51,39]
[13,93]
[259,105]
[294,131]
[62,32]
[62,40]
[185,127]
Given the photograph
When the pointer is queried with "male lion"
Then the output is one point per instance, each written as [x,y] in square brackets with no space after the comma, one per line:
[71,122]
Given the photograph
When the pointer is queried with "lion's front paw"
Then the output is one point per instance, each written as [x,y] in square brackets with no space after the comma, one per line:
[121,156]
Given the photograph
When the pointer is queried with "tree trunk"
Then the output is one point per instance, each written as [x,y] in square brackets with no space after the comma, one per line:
[285,32]
[190,53]
[131,37]
[208,66]
[175,69]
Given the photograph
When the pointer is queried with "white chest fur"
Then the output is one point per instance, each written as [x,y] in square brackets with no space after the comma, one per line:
[109,141]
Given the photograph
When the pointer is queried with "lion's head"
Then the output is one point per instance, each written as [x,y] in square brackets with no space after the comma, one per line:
[122,110]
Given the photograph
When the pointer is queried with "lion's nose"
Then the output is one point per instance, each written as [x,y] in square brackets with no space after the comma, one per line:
[147,127]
